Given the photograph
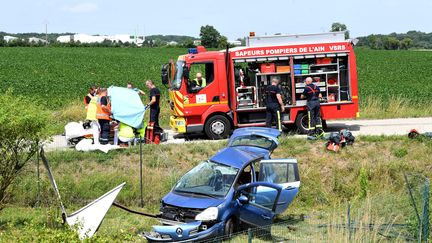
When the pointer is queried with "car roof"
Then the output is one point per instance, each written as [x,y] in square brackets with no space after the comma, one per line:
[234,157]
[268,133]
[263,131]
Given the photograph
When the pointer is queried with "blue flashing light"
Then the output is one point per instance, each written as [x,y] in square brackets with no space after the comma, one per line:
[193,51]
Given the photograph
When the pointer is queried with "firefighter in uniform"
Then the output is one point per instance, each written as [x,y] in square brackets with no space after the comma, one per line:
[312,93]
[154,102]
[274,104]
[153,125]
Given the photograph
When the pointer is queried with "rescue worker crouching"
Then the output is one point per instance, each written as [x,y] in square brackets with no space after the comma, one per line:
[103,115]
[274,104]
[123,133]
[312,93]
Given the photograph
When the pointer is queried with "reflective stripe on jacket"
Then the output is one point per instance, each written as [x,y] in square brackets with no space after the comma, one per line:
[203,82]
[101,114]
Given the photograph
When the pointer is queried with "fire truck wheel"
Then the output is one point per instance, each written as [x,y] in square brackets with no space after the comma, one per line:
[302,123]
[217,127]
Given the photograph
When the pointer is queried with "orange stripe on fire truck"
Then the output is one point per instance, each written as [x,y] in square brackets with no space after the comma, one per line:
[204,104]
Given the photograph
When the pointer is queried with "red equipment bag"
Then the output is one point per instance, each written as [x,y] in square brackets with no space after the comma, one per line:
[153,134]
[332,147]
[149,133]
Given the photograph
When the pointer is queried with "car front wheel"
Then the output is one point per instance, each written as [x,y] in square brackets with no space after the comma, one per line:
[229,227]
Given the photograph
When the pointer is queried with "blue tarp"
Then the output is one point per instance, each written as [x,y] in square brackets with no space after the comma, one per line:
[126,106]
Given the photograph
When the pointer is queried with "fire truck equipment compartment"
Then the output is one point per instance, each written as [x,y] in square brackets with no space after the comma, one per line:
[283,69]
[267,68]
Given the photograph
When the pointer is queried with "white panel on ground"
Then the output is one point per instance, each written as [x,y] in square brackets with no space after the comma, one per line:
[88,219]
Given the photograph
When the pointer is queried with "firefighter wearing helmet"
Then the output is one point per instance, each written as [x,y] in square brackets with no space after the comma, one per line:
[312,93]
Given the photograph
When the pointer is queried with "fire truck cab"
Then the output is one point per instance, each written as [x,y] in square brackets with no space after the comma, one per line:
[231,90]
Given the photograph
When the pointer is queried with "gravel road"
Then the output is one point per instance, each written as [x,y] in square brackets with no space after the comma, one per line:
[399,126]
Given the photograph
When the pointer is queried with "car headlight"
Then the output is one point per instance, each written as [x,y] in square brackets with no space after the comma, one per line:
[180,123]
[209,214]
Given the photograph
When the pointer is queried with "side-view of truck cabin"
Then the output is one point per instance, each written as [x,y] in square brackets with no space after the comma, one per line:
[232,94]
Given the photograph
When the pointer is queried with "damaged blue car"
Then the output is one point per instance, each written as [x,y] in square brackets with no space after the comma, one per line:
[239,187]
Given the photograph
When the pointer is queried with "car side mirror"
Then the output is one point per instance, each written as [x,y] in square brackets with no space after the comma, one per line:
[243,200]
[164,74]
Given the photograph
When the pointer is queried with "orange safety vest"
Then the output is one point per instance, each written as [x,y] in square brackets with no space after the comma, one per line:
[100,113]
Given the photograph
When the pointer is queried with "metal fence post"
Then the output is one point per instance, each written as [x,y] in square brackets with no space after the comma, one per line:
[425,218]
[38,179]
[249,235]
[349,221]
[141,175]
[414,206]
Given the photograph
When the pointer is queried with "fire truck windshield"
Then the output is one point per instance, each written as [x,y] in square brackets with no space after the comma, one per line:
[177,82]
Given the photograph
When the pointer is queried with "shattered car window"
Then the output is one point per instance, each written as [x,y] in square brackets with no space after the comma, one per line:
[252,140]
[207,179]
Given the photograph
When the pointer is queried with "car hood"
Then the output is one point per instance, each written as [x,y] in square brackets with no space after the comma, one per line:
[190,201]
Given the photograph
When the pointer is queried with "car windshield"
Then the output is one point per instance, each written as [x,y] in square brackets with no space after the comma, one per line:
[177,82]
[208,179]
[252,140]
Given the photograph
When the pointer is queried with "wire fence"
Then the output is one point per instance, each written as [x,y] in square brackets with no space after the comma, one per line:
[410,223]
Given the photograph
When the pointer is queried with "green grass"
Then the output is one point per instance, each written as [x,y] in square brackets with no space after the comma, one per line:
[329,181]
[394,83]
[391,83]
[59,78]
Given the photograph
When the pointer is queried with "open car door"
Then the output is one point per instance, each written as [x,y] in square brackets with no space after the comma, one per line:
[285,173]
[258,202]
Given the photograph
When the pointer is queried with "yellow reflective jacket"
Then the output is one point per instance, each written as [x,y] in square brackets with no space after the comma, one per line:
[92,109]
[126,131]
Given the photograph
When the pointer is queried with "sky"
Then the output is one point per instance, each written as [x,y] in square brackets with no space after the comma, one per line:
[231,18]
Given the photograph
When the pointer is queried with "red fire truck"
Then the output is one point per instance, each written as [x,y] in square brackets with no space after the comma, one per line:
[231,91]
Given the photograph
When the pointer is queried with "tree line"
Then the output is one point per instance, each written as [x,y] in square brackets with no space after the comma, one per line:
[394,41]
[150,41]
[211,38]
